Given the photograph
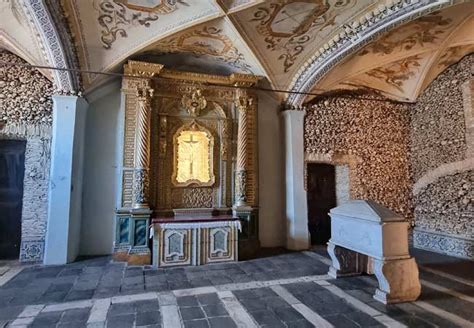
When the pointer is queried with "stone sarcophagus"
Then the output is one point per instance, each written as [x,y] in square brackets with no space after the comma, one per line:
[367,237]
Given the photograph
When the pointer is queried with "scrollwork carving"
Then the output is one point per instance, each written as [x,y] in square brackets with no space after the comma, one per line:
[194,103]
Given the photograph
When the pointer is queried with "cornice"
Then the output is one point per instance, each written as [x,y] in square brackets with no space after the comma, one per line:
[356,35]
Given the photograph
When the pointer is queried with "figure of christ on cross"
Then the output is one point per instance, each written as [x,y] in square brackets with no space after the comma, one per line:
[193,149]
[191,142]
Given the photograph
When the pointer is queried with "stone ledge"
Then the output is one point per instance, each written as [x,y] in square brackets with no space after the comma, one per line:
[441,171]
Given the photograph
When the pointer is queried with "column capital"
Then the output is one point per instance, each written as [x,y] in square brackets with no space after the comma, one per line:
[292,108]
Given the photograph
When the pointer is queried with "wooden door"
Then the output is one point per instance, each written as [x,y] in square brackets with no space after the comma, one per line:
[12,169]
[321,192]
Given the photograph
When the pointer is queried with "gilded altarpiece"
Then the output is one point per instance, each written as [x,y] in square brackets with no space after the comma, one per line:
[189,149]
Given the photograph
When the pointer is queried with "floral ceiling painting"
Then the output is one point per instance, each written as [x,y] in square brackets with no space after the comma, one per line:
[404,61]
[271,38]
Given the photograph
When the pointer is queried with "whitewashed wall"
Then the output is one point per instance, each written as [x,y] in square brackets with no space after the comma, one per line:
[100,170]
[271,173]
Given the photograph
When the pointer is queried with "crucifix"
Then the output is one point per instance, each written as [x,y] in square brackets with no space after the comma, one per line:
[191,142]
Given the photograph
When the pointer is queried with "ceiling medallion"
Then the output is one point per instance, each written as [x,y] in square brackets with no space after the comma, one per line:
[285,24]
[194,103]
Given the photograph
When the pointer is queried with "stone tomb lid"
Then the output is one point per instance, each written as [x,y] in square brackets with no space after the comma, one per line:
[366,210]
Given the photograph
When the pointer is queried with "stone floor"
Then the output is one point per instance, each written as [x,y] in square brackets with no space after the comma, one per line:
[286,290]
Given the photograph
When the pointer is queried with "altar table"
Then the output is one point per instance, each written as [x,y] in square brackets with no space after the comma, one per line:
[194,240]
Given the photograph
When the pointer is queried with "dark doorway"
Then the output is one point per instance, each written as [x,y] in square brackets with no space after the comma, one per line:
[321,185]
[12,170]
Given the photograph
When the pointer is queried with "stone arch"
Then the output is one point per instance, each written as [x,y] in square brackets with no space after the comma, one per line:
[55,40]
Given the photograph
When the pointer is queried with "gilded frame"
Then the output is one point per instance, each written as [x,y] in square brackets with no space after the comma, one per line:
[193,126]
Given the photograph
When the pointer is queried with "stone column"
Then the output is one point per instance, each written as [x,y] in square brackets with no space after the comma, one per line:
[297,234]
[65,189]
[244,105]
[141,177]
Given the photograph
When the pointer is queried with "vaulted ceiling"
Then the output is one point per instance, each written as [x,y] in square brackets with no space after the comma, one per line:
[290,42]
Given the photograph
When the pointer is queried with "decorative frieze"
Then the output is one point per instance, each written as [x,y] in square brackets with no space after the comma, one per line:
[443,243]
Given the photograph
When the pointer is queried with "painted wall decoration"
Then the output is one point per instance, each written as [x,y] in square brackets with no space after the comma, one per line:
[207,41]
[397,73]
[116,15]
[423,31]
[403,62]
[287,25]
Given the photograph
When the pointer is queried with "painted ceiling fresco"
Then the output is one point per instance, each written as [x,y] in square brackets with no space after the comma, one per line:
[271,38]
[403,62]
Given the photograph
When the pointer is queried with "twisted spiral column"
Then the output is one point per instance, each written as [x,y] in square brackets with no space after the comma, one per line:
[142,149]
[244,105]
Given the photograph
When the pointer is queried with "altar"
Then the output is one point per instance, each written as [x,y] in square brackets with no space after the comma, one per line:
[195,240]
[188,184]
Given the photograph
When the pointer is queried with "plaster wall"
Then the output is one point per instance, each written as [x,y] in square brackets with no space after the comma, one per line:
[271,173]
[25,114]
[101,169]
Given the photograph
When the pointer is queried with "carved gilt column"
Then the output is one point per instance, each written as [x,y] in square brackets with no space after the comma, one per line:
[244,105]
[141,178]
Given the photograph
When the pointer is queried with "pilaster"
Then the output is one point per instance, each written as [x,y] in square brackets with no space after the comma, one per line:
[65,189]
[297,234]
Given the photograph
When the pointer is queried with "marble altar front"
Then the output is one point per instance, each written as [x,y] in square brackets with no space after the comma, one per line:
[195,240]
[367,237]
[189,149]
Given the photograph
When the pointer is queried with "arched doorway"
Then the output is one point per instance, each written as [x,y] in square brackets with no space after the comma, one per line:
[321,196]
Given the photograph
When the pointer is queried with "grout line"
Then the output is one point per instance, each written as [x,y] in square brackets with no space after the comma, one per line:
[379,316]
[236,311]
[448,276]
[304,310]
[444,314]
[194,291]
[27,316]
[99,311]
[451,292]
[169,310]
[269,283]
[31,311]
[7,276]
[318,257]
[68,306]
[133,298]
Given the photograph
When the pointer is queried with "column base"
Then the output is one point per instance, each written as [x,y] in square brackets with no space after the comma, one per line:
[133,256]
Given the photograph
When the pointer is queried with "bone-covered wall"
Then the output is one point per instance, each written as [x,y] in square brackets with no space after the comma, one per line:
[25,114]
[416,159]
[370,135]
[442,163]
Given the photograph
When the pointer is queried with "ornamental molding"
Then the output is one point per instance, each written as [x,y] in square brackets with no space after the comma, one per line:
[51,43]
[356,35]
